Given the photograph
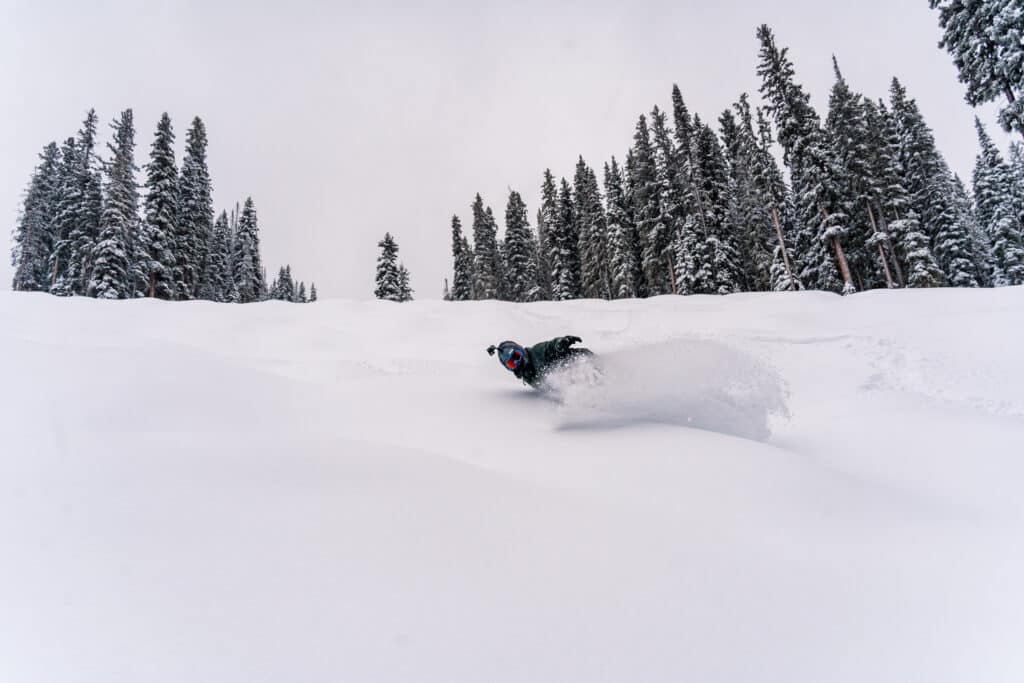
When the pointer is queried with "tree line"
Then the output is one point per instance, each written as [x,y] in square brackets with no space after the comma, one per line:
[80,231]
[868,202]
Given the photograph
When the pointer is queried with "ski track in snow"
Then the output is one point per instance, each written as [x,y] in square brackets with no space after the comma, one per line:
[794,487]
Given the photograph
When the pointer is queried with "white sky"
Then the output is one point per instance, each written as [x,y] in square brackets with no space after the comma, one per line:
[347,119]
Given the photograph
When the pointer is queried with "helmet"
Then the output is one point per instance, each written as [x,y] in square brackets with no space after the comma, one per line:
[511,355]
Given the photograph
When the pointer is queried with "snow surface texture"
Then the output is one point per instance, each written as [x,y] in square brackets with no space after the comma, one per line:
[764,488]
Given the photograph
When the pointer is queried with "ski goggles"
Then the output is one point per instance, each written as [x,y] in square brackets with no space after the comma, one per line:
[511,357]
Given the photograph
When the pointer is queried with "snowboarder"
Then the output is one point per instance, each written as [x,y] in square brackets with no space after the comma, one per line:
[533,363]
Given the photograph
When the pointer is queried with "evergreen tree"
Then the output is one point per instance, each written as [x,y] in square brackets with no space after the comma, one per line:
[112,276]
[33,236]
[774,196]
[405,291]
[650,227]
[850,147]
[247,268]
[486,277]
[995,201]
[620,253]
[821,218]
[462,255]
[564,238]
[312,293]
[929,184]
[520,264]
[215,284]
[157,240]
[195,214]
[592,234]
[66,202]
[720,244]
[985,39]
[300,296]
[911,245]
[547,220]
[389,283]
[981,245]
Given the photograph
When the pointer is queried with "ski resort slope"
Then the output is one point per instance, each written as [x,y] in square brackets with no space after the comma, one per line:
[765,488]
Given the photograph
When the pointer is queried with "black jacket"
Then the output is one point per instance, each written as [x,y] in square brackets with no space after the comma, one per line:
[543,357]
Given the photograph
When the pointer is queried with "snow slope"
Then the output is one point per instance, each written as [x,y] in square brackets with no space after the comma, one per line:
[780,488]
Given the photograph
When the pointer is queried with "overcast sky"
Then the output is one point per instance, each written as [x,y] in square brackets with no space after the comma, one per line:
[344,120]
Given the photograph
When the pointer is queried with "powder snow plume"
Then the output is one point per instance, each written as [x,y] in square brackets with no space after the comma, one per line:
[696,383]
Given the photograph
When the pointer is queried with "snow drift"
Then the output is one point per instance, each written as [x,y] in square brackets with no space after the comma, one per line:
[765,488]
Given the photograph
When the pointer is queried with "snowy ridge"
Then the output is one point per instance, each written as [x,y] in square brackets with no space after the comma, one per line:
[794,487]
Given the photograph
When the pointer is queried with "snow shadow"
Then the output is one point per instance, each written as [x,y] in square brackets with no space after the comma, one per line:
[694,383]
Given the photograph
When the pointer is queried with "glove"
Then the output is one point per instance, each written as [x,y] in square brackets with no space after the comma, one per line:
[565,342]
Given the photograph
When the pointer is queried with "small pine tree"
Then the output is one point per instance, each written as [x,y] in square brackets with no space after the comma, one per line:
[462,257]
[486,277]
[405,291]
[215,284]
[247,269]
[312,292]
[300,296]
[388,273]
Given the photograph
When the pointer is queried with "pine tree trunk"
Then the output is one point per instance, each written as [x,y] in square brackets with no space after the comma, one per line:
[881,252]
[844,267]
[892,252]
[56,267]
[152,285]
[672,273]
[782,244]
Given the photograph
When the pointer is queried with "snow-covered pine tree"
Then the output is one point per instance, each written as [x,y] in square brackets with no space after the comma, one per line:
[817,193]
[981,244]
[720,248]
[312,292]
[66,202]
[564,237]
[33,236]
[195,213]
[462,257]
[594,281]
[629,185]
[547,219]
[300,295]
[620,252]
[485,252]
[161,211]
[691,259]
[520,265]
[247,274]
[214,285]
[87,225]
[405,291]
[914,263]
[748,211]
[986,40]
[388,277]
[929,183]
[78,213]
[112,276]
[997,212]
[498,262]
[850,146]
[669,179]
[651,231]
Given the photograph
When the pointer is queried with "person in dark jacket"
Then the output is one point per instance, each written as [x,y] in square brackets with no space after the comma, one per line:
[533,363]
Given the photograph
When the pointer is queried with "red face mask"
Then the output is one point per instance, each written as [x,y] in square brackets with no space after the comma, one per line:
[515,358]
